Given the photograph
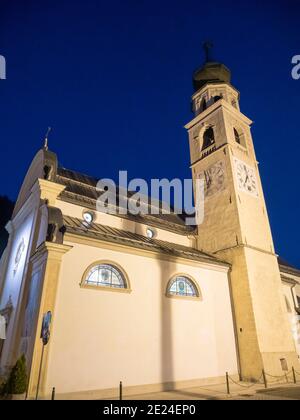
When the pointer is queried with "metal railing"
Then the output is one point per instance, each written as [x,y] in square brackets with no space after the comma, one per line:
[288,377]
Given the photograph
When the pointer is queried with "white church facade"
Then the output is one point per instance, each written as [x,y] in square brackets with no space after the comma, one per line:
[144,299]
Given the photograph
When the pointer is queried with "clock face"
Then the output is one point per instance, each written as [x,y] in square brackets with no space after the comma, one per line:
[214,179]
[246,178]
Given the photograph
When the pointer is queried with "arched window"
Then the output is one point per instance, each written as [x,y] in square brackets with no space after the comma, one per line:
[182,286]
[203,105]
[208,138]
[105,275]
[217,98]
[239,136]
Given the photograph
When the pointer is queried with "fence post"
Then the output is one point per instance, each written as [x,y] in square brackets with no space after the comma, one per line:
[265,379]
[121,391]
[227,383]
[53,394]
[294,375]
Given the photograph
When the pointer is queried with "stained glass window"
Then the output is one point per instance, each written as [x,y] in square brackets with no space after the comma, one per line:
[182,286]
[105,275]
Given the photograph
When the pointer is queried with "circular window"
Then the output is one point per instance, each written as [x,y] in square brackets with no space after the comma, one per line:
[88,217]
[150,233]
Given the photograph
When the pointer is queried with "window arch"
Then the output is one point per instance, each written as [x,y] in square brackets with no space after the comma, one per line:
[217,98]
[105,274]
[181,285]
[203,105]
[239,136]
[208,138]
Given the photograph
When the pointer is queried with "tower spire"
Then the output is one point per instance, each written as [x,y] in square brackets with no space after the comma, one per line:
[207,46]
[46,138]
[211,71]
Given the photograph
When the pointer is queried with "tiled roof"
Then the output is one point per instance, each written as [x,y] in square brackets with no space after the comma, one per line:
[119,236]
[287,267]
[81,190]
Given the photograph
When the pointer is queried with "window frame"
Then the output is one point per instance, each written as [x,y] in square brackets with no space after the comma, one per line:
[116,266]
[241,135]
[206,129]
[190,279]
[203,105]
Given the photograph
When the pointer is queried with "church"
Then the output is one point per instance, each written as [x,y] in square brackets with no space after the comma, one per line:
[147,299]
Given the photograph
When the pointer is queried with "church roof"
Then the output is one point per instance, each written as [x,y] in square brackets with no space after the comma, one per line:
[81,190]
[118,236]
[211,72]
[286,267]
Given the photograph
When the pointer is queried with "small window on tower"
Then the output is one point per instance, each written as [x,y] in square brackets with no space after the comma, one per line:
[217,98]
[208,138]
[239,136]
[203,105]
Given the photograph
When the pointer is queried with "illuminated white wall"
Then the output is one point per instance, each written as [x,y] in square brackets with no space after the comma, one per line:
[101,337]
[14,276]
[293,317]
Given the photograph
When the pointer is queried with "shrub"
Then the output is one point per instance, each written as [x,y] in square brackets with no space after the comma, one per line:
[17,381]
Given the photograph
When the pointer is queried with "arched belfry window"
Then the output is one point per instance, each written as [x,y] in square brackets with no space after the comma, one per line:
[217,98]
[239,137]
[182,286]
[105,275]
[203,105]
[208,138]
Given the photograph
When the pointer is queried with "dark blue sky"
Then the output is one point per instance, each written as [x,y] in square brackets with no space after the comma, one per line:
[113,79]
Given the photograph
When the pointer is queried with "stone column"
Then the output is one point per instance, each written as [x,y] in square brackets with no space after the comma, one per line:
[49,258]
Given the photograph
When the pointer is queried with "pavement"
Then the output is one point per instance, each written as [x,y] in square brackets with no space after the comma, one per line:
[242,392]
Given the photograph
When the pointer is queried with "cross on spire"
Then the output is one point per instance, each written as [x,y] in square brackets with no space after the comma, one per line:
[207,46]
[46,138]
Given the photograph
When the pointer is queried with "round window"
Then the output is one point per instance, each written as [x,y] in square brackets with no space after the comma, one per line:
[88,217]
[150,233]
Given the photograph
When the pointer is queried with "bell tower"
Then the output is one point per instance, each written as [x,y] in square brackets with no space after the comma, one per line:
[236,224]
